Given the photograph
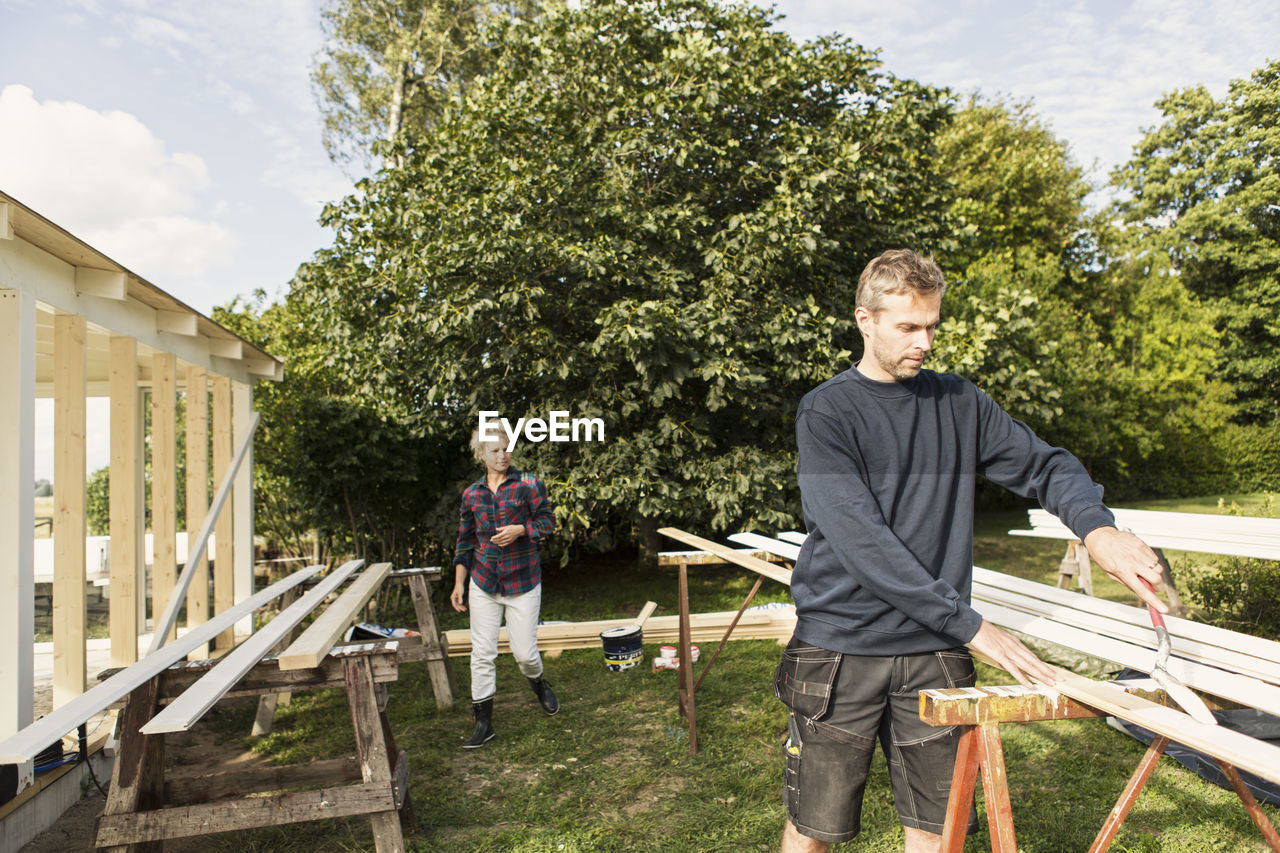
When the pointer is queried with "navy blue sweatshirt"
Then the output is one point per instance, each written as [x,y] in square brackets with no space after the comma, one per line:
[887,473]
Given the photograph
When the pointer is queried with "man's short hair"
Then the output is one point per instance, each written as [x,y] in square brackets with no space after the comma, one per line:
[898,271]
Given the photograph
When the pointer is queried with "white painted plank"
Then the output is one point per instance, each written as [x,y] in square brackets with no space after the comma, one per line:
[184,711]
[793,536]
[755,564]
[1135,628]
[24,745]
[1178,627]
[1239,750]
[69,615]
[200,547]
[1237,688]
[106,284]
[308,650]
[242,518]
[785,550]
[177,323]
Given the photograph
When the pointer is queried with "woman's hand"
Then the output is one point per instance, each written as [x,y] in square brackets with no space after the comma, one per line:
[507,534]
[455,598]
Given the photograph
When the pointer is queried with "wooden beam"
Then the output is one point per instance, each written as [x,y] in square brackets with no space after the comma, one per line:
[197,411]
[164,479]
[245,813]
[6,223]
[702,558]
[308,650]
[226,348]
[183,712]
[106,284]
[24,745]
[17,507]
[241,509]
[214,786]
[197,548]
[760,567]
[69,527]
[224,530]
[126,505]
[177,323]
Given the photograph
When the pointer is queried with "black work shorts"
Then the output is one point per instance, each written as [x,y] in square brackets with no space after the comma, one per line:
[840,704]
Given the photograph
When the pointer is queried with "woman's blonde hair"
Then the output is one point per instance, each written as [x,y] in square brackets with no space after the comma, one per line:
[477,446]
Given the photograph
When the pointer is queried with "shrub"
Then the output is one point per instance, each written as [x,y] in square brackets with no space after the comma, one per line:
[1241,593]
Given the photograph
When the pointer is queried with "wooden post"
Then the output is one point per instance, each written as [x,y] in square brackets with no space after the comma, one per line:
[241,509]
[69,529]
[372,749]
[137,779]
[442,683]
[17,508]
[127,507]
[223,531]
[164,480]
[197,494]
[685,694]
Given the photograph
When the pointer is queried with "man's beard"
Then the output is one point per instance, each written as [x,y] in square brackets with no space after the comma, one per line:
[897,367]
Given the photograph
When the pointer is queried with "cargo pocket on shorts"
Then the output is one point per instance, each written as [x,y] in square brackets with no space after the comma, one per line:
[804,679]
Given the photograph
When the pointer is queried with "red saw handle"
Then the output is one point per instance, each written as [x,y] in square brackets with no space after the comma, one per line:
[1156,618]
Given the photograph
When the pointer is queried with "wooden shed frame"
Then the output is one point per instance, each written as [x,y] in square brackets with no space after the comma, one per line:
[74,324]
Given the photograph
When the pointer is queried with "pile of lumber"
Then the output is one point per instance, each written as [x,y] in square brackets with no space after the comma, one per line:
[772,624]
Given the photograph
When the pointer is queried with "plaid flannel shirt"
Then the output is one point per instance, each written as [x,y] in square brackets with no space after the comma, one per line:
[521,499]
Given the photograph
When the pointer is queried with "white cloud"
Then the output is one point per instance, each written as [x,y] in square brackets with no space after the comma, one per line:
[108,179]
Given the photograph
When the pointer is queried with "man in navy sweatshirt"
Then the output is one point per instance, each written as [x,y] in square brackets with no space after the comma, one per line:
[889,454]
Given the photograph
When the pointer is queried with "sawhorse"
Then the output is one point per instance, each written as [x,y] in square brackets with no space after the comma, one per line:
[143,807]
[979,711]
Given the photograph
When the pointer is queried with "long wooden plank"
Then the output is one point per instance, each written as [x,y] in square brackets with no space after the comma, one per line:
[793,536]
[245,813]
[1195,524]
[215,786]
[183,712]
[195,579]
[1135,629]
[197,550]
[1243,643]
[1237,688]
[778,548]
[309,649]
[699,558]
[24,745]
[224,529]
[126,508]
[164,478]
[1238,749]
[1177,543]
[69,619]
[755,564]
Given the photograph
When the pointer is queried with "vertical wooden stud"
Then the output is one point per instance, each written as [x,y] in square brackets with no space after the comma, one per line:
[223,530]
[17,508]
[126,506]
[241,509]
[69,529]
[164,480]
[197,494]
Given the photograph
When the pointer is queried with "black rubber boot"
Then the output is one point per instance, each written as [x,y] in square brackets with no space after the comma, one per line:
[484,724]
[546,697]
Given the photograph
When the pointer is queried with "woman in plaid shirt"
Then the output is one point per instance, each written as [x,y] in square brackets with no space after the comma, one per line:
[504,516]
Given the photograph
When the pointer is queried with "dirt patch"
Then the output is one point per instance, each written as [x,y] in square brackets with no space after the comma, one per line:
[203,750]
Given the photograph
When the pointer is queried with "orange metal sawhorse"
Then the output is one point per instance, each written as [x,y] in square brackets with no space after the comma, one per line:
[979,711]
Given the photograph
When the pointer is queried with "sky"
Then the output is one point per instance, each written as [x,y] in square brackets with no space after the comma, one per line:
[182,139]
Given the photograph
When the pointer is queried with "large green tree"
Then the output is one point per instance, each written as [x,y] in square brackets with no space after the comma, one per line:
[1203,190]
[653,213]
[388,68]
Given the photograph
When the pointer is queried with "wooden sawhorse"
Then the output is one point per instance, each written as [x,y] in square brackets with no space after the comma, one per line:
[979,711]
[143,807]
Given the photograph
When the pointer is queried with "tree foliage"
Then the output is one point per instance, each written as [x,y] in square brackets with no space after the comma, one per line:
[391,66]
[652,213]
[1204,186]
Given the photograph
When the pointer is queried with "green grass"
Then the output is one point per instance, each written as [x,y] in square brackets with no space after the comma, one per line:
[612,771]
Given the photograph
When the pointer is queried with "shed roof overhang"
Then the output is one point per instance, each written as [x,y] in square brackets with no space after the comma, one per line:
[66,275]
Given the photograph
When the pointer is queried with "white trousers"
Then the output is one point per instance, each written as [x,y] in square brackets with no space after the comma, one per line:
[487,611]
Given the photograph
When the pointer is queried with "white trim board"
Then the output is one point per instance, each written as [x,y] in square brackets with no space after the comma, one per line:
[26,744]
[785,550]
[1237,688]
[184,711]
